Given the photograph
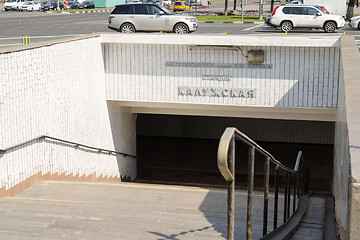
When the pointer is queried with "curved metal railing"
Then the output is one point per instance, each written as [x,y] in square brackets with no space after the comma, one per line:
[43,137]
[226,165]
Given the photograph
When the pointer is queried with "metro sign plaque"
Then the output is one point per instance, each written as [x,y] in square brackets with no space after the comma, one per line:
[216,92]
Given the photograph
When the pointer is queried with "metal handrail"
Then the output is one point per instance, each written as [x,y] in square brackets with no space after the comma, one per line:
[99,150]
[226,165]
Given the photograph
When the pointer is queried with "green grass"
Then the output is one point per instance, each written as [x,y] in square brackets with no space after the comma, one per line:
[223,18]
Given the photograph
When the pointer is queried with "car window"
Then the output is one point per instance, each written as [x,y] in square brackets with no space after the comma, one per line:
[287,10]
[153,10]
[297,10]
[123,9]
[311,11]
[322,9]
[140,9]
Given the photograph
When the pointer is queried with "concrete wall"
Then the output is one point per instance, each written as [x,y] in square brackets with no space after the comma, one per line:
[304,75]
[59,90]
[347,144]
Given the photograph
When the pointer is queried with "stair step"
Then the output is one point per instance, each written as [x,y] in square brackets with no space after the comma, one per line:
[312,225]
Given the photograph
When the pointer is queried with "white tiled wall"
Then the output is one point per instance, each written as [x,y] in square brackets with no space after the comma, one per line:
[59,91]
[296,76]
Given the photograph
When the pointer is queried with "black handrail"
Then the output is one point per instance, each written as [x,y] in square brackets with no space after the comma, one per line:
[226,165]
[99,150]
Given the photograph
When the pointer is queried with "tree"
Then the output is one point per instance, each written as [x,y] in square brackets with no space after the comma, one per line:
[272,6]
[226,7]
[350,10]
[234,4]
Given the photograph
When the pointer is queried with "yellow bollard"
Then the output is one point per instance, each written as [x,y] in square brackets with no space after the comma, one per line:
[344,33]
[26,40]
[160,32]
[225,33]
[93,32]
[286,33]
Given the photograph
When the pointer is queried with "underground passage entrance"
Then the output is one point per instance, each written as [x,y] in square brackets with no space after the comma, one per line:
[183,149]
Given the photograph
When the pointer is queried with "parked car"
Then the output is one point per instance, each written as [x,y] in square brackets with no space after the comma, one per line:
[73,5]
[292,16]
[296,2]
[13,4]
[321,8]
[52,6]
[166,3]
[181,6]
[87,4]
[158,2]
[355,22]
[30,6]
[129,18]
[42,4]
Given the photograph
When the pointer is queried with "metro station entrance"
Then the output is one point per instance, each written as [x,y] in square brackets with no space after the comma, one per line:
[175,149]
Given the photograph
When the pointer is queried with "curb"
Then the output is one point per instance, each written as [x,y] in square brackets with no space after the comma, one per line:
[95,11]
[236,22]
[80,12]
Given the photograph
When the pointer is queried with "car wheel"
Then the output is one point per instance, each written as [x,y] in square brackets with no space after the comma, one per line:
[181,28]
[286,26]
[330,27]
[127,28]
[359,26]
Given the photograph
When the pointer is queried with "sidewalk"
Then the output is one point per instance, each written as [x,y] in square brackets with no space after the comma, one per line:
[131,211]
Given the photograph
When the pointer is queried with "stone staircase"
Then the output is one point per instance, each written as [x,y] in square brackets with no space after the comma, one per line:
[318,222]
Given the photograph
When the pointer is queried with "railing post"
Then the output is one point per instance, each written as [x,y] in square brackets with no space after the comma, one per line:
[266,194]
[285,196]
[289,196]
[251,165]
[306,180]
[276,200]
[299,181]
[231,190]
[294,196]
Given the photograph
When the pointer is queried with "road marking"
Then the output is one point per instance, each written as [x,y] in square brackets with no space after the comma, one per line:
[250,28]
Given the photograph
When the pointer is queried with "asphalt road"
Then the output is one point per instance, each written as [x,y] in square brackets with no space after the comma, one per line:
[19,24]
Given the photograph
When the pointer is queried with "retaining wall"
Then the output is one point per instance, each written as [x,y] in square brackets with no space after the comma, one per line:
[59,91]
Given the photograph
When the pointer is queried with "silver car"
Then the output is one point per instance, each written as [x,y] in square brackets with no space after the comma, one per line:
[128,18]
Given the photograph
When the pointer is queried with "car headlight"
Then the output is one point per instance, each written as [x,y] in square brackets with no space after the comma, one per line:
[191,19]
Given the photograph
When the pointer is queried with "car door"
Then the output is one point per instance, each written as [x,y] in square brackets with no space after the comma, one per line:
[141,17]
[313,17]
[156,18]
[297,15]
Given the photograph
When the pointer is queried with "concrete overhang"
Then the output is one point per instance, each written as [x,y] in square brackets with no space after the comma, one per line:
[218,110]
[226,40]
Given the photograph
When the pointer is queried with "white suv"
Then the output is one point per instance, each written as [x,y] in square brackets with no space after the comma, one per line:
[13,4]
[292,16]
[128,18]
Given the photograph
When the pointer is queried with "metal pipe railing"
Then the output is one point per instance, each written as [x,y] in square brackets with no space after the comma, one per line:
[25,40]
[43,137]
[226,165]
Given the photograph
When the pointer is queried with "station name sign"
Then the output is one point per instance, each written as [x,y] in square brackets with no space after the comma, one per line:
[217,65]
[216,78]
[216,92]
